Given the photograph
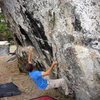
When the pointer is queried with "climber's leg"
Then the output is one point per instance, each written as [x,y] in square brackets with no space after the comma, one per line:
[56,84]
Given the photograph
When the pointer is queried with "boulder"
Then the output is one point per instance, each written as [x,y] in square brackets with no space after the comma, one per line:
[82,72]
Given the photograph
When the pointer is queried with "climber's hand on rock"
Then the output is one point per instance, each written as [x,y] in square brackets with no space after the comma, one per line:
[31,48]
[54,63]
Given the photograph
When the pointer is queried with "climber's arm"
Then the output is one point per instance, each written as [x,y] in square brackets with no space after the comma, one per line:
[49,70]
[30,55]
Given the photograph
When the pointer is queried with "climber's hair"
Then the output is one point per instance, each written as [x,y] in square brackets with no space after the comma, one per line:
[29,67]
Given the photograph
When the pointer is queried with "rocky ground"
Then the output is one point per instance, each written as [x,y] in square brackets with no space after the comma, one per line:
[9,72]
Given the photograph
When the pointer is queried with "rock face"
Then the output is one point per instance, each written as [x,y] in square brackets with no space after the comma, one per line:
[63,30]
[4,47]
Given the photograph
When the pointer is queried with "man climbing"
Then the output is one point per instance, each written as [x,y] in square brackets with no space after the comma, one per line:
[37,77]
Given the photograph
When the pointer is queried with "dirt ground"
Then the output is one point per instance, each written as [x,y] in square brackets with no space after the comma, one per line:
[9,72]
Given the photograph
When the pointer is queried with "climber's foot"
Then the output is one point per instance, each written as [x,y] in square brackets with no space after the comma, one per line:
[71,93]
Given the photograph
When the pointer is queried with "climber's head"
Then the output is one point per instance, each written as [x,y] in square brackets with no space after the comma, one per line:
[29,67]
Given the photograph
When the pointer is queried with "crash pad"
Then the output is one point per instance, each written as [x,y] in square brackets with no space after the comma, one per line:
[8,89]
[43,98]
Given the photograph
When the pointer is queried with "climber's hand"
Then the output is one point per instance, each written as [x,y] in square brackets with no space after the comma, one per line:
[54,63]
[30,55]
[31,49]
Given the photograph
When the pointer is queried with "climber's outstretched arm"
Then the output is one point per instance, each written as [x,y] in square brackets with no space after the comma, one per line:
[30,55]
[49,70]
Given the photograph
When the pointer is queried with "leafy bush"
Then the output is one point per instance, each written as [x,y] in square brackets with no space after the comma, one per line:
[4,32]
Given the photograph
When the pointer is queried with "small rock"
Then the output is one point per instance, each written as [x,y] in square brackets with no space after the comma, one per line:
[4,47]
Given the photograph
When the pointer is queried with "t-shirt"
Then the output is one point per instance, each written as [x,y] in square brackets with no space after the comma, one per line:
[38,80]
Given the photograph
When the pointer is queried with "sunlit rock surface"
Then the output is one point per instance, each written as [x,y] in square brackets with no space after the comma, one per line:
[4,47]
[63,30]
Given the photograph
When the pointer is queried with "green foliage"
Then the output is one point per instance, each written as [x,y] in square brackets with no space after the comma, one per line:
[4,32]
[8,36]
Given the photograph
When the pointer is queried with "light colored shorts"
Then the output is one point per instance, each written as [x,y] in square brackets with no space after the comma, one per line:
[56,83]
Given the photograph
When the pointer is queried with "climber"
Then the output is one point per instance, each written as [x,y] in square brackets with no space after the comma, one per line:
[41,83]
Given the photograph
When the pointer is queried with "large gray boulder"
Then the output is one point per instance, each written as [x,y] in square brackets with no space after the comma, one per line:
[63,30]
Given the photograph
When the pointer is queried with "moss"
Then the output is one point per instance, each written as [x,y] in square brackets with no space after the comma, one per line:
[52,21]
[49,13]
